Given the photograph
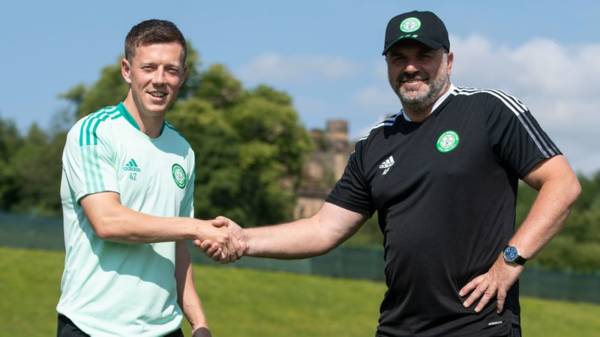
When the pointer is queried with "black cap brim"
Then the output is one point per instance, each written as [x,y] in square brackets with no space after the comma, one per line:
[428,42]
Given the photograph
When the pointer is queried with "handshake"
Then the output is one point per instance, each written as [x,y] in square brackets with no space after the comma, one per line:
[222,239]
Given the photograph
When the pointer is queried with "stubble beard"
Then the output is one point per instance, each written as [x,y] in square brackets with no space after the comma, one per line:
[423,101]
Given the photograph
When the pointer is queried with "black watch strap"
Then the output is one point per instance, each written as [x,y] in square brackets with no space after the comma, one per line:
[520,260]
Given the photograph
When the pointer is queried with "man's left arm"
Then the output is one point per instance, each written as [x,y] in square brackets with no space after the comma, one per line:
[188,299]
[558,189]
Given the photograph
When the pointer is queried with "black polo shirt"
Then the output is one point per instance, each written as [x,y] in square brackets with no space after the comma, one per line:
[445,191]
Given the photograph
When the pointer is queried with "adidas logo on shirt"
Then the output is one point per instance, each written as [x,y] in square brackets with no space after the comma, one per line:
[131,166]
[387,165]
[133,169]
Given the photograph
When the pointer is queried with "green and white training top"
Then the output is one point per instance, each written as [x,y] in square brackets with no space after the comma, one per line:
[119,289]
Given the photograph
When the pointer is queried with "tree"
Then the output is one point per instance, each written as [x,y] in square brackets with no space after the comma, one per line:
[249,149]
[272,148]
[108,90]
[219,87]
[37,168]
[215,145]
[10,141]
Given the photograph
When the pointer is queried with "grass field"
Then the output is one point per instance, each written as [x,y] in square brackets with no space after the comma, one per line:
[248,303]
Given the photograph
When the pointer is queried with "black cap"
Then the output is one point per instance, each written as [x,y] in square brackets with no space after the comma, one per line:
[424,27]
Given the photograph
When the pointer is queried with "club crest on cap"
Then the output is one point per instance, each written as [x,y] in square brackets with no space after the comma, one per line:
[410,25]
[422,26]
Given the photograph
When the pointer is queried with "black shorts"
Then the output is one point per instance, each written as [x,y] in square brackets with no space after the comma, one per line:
[514,332]
[66,328]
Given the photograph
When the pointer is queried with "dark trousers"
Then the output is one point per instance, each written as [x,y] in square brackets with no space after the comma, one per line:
[66,328]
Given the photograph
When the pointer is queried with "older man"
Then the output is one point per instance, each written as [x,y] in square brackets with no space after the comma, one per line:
[442,174]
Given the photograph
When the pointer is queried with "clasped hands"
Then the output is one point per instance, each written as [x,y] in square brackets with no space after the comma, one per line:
[224,240]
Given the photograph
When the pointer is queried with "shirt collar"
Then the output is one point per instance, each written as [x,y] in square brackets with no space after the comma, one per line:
[437,103]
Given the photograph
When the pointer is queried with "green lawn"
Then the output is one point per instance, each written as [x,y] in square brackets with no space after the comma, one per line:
[241,302]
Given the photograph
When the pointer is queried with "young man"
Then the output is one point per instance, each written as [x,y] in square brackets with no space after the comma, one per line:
[443,176]
[127,194]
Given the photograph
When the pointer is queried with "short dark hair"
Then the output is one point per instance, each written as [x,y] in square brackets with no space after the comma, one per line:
[150,32]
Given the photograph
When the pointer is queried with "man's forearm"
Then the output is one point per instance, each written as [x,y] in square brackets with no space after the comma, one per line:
[298,239]
[125,225]
[313,236]
[115,222]
[305,237]
[547,215]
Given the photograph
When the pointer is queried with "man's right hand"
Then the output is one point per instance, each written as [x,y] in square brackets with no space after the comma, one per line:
[212,231]
[235,247]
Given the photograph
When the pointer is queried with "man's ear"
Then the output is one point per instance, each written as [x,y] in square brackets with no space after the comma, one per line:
[186,73]
[184,76]
[450,62]
[126,70]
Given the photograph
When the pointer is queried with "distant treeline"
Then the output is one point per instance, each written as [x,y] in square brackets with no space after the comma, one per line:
[250,148]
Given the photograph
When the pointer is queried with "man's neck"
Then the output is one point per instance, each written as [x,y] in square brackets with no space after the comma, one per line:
[148,125]
[417,113]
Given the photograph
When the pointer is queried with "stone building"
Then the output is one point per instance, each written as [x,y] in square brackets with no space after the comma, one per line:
[324,166]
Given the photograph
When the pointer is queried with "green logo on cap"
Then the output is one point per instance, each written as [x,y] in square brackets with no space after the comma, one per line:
[447,141]
[410,25]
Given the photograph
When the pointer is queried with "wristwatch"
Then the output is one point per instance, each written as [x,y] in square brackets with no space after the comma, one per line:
[511,255]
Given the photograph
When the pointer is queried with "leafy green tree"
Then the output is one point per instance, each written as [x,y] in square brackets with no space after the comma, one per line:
[249,149]
[219,87]
[215,144]
[108,90]
[590,196]
[273,130]
[272,149]
[271,95]
[37,169]
[10,141]
[192,82]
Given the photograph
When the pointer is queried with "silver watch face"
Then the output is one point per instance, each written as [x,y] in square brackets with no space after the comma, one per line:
[510,254]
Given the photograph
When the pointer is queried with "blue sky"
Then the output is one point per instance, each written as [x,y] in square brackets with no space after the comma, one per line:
[326,54]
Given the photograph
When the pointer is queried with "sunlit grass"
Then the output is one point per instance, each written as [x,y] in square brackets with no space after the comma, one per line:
[247,303]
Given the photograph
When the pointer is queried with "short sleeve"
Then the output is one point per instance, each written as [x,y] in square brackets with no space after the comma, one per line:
[515,136]
[89,166]
[352,191]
